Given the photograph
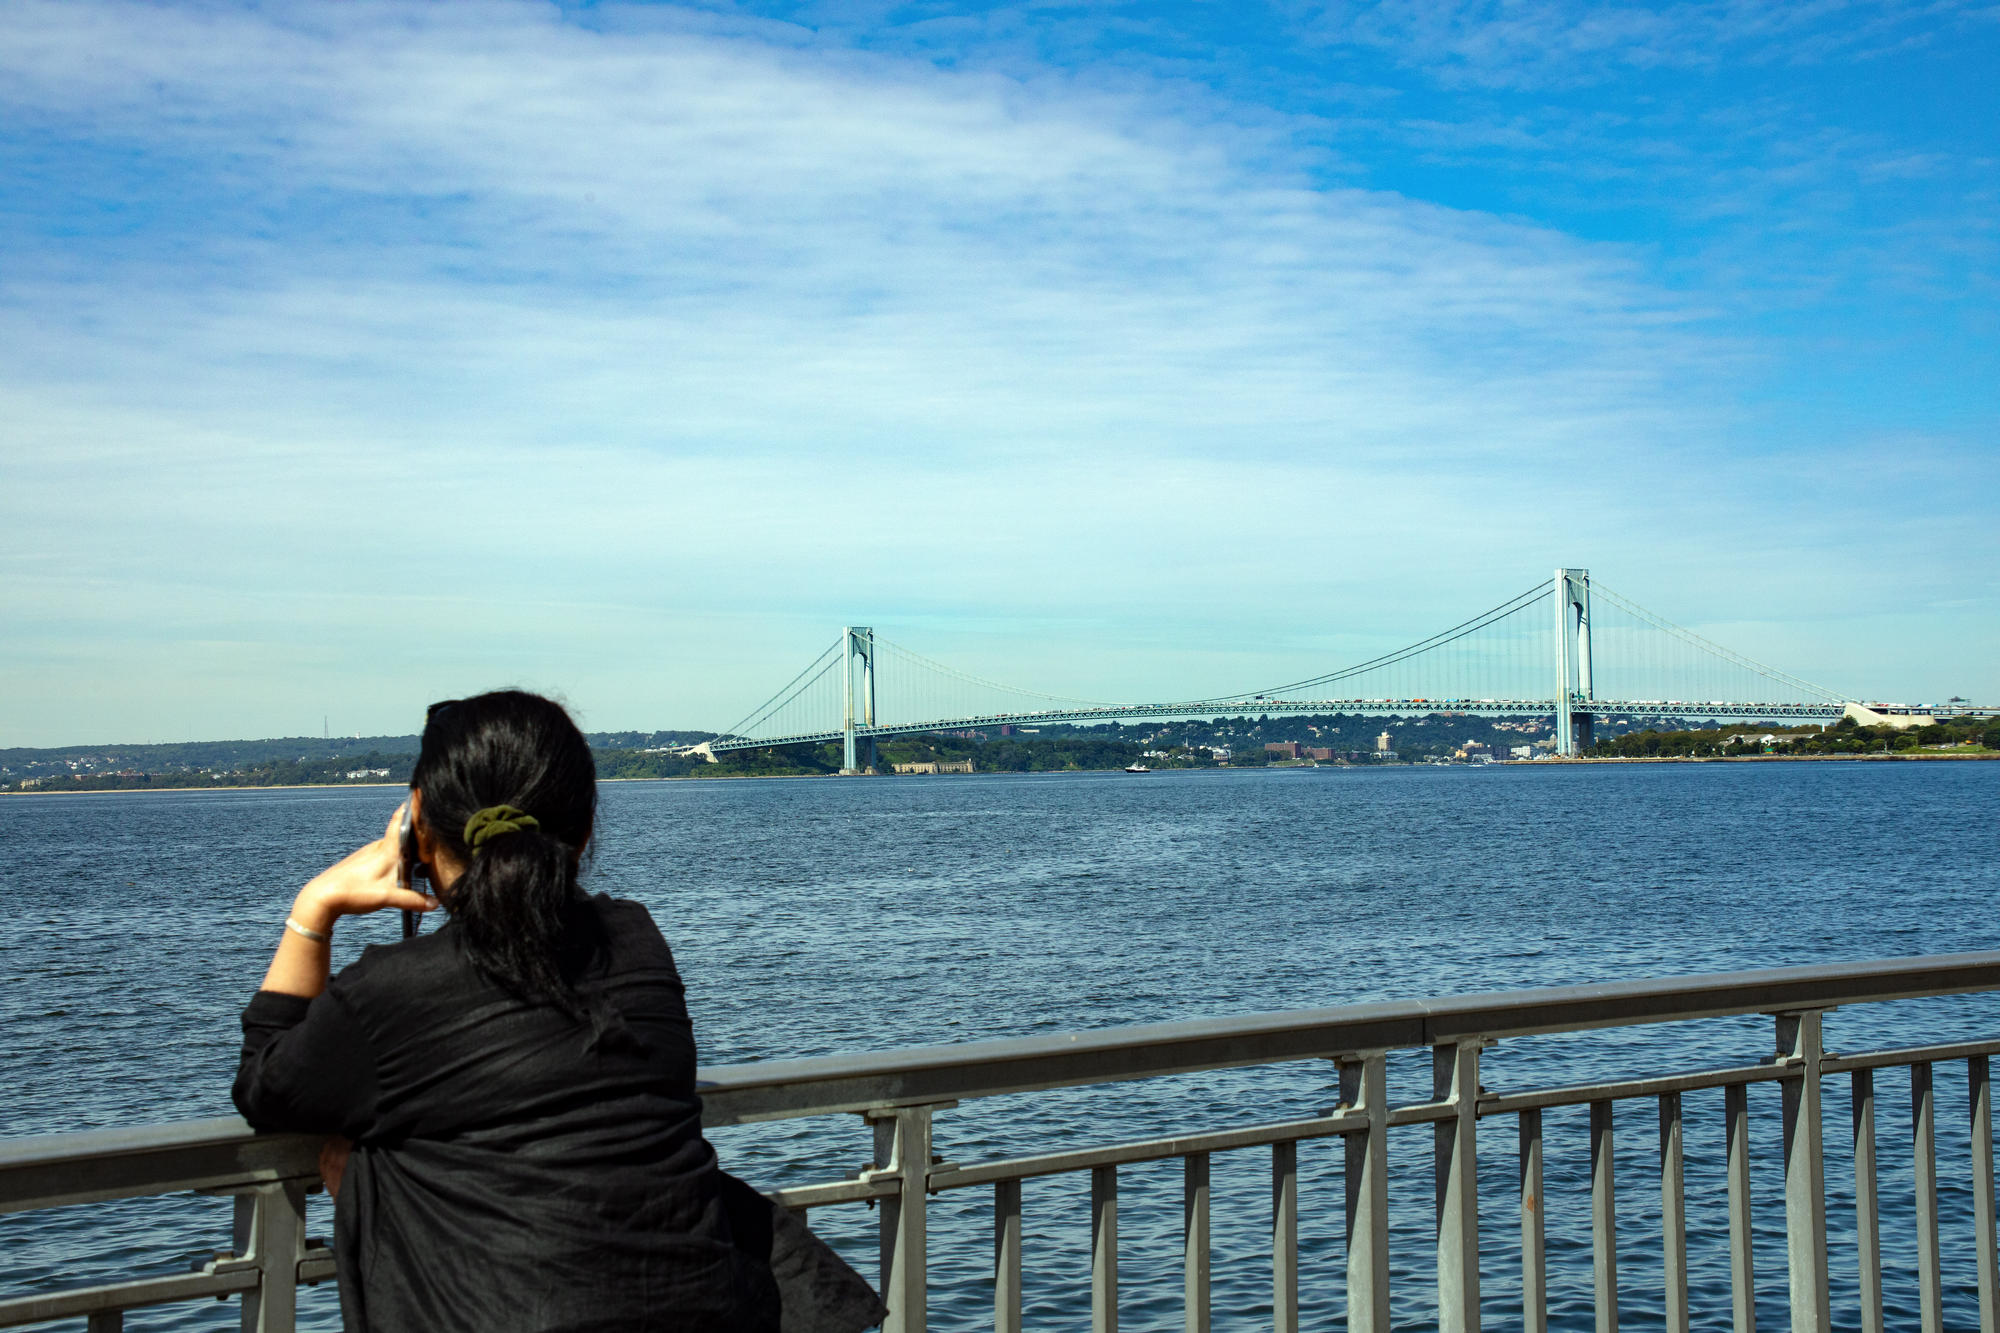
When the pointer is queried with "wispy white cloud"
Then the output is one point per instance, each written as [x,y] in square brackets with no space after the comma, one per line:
[344,327]
[769,234]
[1568,43]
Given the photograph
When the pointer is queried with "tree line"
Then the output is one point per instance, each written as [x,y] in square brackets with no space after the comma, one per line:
[1740,740]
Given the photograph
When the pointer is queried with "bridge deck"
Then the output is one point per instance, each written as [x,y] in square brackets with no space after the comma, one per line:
[1713,709]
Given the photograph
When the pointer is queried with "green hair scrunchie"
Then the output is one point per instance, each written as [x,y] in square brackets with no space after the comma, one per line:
[495,821]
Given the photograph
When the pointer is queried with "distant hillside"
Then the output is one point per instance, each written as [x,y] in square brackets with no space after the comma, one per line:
[316,760]
[277,762]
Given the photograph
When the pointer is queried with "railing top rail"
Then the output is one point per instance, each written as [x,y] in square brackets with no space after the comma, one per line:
[52,1169]
[780,1089]
[218,1153]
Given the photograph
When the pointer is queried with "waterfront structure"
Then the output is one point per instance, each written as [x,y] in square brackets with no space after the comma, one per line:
[1498,664]
[900,1095]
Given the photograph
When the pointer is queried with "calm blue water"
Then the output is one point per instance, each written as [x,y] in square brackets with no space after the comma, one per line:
[815,916]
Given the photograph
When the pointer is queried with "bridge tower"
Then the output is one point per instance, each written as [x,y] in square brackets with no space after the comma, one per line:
[1573,689]
[857,641]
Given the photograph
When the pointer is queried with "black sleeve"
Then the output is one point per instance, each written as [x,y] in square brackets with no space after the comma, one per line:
[307,1065]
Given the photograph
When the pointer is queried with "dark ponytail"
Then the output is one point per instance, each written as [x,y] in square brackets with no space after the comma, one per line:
[518,908]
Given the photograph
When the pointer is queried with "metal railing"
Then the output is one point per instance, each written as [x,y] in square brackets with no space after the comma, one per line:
[901,1092]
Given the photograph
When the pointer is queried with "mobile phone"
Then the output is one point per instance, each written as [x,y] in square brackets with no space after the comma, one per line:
[408,868]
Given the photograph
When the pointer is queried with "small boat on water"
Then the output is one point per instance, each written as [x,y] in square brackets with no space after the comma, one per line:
[1137,768]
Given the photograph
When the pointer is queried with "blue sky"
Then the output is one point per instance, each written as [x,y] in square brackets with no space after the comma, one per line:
[367,354]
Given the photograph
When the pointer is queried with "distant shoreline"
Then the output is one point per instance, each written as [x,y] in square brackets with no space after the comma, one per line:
[1903,757]
[745,777]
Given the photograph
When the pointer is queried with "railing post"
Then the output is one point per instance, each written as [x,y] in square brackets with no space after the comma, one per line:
[1603,1217]
[903,1146]
[1805,1171]
[1455,1153]
[1007,1256]
[1195,1241]
[276,1239]
[1742,1270]
[1980,1085]
[1867,1212]
[1534,1246]
[1285,1237]
[1364,1086]
[1923,1153]
[1673,1214]
[1104,1249]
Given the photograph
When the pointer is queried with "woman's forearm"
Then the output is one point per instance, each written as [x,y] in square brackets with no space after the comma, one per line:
[368,880]
[300,965]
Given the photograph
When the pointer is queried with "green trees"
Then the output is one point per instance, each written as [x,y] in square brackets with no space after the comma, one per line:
[1844,737]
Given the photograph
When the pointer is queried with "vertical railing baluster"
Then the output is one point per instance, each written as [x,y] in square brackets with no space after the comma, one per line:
[1285,1237]
[242,1235]
[1534,1235]
[1925,1161]
[1603,1218]
[1673,1213]
[1455,1078]
[1742,1271]
[1007,1256]
[1364,1086]
[1104,1249]
[1978,1078]
[277,1231]
[1923,1143]
[1194,1241]
[1805,1172]
[903,1146]
[1867,1207]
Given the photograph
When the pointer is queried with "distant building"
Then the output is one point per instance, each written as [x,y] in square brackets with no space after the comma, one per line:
[1222,754]
[936,766]
[1320,752]
[1384,745]
[1522,752]
[1283,749]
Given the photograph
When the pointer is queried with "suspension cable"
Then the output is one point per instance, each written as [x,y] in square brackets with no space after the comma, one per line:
[785,695]
[941,668]
[1438,640]
[1689,636]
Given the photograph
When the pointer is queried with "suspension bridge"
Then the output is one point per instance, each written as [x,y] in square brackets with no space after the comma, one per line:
[1566,649]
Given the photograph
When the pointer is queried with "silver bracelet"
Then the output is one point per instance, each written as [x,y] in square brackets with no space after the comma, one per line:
[315,936]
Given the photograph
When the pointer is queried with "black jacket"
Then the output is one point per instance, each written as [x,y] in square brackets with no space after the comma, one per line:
[514,1168]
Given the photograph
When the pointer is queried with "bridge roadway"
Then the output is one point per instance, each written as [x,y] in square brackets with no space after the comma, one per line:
[1712,709]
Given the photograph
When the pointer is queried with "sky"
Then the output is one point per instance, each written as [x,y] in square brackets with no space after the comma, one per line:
[366,354]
